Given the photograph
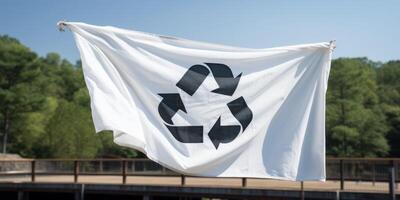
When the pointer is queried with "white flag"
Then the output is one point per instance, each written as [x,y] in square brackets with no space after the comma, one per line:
[209,110]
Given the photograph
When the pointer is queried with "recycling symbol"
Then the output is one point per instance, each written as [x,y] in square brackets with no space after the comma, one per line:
[189,83]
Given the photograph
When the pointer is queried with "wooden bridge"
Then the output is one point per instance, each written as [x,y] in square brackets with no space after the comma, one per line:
[143,179]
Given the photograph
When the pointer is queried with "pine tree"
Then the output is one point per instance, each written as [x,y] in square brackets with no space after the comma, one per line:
[355,124]
[18,69]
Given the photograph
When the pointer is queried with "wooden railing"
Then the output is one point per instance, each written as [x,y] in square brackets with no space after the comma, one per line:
[338,169]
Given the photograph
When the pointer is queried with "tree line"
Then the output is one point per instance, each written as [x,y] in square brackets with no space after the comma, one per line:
[45,108]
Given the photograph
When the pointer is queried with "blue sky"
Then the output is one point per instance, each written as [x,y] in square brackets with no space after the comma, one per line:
[368,28]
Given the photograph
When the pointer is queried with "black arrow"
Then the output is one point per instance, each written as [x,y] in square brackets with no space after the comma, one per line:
[187,134]
[170,104]
[193,78]
[223,134]
[241,111]
[224,77]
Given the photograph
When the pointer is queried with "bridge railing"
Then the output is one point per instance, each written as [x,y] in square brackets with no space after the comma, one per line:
[338,169]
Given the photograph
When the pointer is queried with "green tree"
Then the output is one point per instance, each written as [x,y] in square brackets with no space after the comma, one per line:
[70,133]
[355,124]
[389,93]
[28,131]
[64,77]
[45,107]
[18,69]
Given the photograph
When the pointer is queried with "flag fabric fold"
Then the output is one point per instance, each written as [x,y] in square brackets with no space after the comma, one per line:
[209,110]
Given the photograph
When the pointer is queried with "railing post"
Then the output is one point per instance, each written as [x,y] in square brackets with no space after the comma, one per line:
[302,190]
[76,170]
[101,166]
[183,180]
[123,171]
[373,173]
[33,170]
[341,174]
[20,195]
[244,182]
[392,181]
[133,166]
[396,172]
